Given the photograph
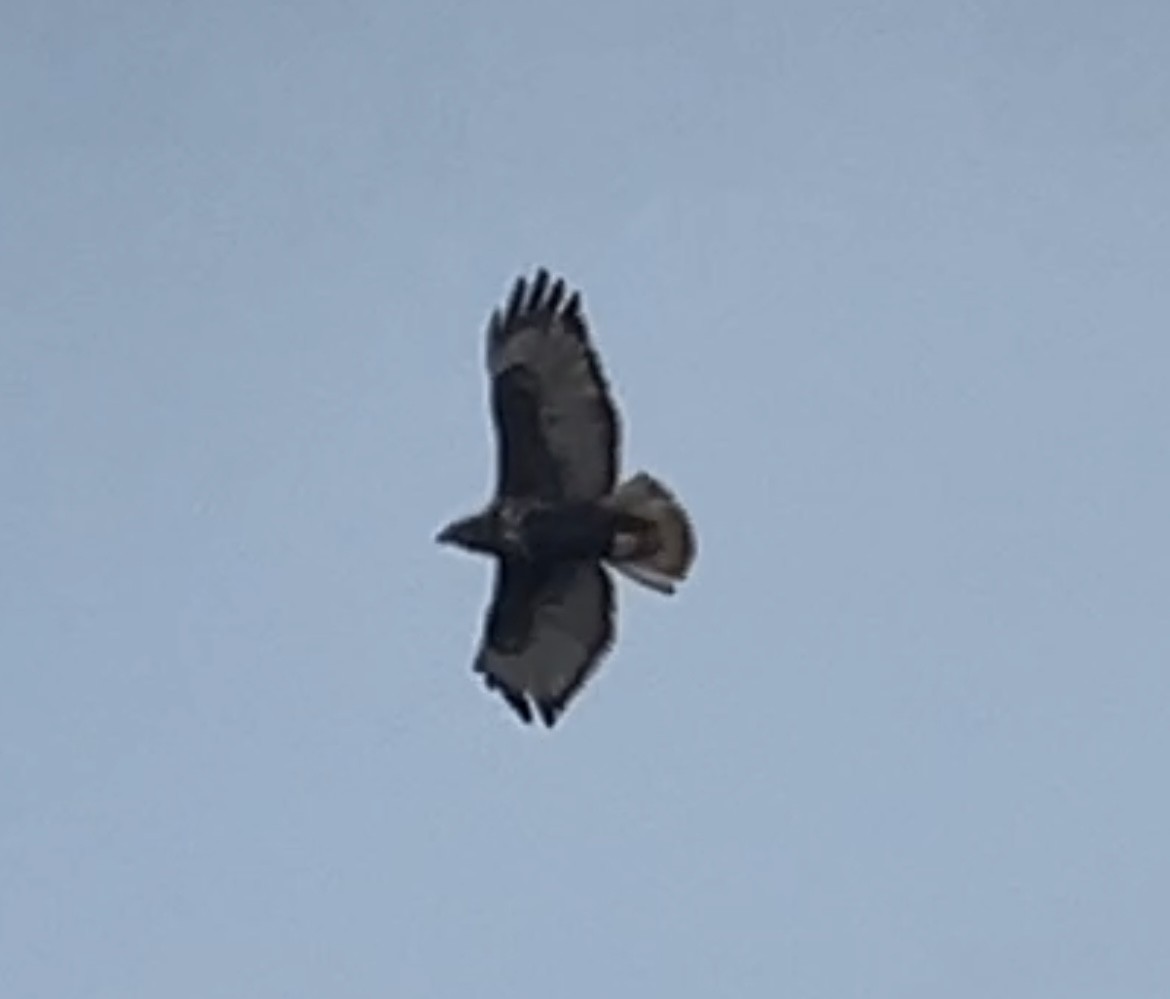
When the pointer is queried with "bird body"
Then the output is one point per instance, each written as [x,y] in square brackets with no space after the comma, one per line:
[549,531]
[559,517]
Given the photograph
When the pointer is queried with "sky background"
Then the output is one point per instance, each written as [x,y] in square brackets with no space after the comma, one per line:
[882,291]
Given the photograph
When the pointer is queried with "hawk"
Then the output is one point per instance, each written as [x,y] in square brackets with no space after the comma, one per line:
[559,518]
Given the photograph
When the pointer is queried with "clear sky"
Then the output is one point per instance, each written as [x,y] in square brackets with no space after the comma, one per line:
[882,291]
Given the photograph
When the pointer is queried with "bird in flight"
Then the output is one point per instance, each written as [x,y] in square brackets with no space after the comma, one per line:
[559,517]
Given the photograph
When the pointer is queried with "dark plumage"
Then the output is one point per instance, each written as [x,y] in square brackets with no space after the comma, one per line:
[558,517]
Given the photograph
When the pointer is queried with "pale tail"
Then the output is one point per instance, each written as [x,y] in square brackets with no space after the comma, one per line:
[671,552]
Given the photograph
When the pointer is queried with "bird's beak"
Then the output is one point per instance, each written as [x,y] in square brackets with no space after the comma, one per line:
[453,534]
[466,533]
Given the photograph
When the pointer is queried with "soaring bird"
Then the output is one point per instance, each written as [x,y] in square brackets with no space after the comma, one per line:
[559,518]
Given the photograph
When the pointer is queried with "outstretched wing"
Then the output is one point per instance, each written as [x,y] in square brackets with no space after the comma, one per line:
[556,425]
[546,631]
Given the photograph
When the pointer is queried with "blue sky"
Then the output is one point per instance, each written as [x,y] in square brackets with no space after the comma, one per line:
[882,292]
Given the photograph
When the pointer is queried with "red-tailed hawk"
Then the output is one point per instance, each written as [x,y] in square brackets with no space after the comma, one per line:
[559,516]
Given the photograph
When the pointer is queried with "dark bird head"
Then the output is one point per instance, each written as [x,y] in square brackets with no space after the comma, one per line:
[475,534]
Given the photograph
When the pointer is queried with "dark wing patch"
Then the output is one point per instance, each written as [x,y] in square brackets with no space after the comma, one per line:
[546,631]
[556,424]
[526,465]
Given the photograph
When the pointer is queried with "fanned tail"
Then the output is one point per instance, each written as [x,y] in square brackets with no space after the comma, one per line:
[661,554]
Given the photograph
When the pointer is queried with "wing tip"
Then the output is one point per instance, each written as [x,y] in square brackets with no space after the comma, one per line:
[550,712]
[537,294]
[521,702]
[514,699]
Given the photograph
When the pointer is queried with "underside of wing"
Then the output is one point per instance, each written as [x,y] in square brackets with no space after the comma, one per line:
[556,424]
[546,632]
